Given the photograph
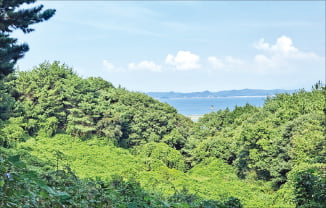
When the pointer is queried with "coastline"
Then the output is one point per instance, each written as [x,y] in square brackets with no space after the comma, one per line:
[217,97]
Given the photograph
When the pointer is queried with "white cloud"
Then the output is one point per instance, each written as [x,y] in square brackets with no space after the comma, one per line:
[145,65]
[215,62]
[227,62]
[284,45]
[109,66]
[261,45]
[263,62]
[282,57]
[233,61]
[261,59]
[283,48]
[184,60]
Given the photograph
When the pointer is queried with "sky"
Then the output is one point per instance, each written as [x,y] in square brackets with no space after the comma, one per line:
[185,46]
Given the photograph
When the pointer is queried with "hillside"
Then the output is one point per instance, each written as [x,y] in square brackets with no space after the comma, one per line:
[212,179]
[73,142]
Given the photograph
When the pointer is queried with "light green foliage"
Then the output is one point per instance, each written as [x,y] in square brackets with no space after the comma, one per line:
[215,178]
[308,138]
[13,132]
[211,179]
[160,152]
[49,126]
[21,186]
[91,158]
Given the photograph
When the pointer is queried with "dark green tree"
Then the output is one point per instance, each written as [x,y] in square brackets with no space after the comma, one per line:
[309,188]
[13,17]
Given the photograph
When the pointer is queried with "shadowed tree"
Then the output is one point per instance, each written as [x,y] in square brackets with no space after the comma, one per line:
[14,17]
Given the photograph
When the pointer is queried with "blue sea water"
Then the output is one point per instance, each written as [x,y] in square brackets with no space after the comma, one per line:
[200,106]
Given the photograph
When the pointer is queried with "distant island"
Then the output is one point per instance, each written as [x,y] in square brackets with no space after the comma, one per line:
[226,93]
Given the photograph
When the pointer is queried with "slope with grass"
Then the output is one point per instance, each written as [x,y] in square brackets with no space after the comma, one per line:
[212,179]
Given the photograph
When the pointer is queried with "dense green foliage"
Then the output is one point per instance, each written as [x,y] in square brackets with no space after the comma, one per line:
[309,188]
[55,99]
[212,179]
[80,142]
[272,142]
[62,188]
[13,17]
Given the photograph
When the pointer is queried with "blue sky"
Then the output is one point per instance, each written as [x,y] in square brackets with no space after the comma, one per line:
[185,45]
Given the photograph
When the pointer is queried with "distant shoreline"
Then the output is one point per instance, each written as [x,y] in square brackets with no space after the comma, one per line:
[245,93]
[240,96]
[195,107]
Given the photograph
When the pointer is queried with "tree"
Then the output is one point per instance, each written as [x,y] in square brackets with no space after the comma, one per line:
[156,153]
[13,17]
[309,188]
[7,102]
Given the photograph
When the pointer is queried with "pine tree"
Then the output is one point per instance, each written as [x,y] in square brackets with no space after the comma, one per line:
[13,17]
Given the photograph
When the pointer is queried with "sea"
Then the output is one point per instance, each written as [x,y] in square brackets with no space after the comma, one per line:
[201,106]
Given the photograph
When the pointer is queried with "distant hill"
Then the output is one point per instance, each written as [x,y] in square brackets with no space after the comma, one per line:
[227,93]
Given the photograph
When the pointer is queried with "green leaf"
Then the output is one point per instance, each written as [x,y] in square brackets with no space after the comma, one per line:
[14,158]
[44,194]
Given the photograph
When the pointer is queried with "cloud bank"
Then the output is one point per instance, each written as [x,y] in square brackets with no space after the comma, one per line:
[277,58]
[280,56]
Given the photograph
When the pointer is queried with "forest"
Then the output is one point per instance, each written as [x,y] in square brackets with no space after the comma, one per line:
[68,141]
[76,142]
